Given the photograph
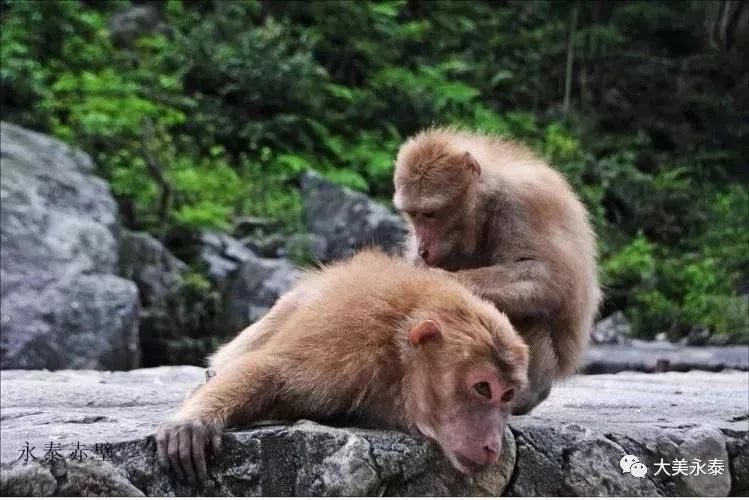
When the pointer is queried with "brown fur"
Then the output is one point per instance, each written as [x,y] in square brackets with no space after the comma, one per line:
[515,232]
[341,344]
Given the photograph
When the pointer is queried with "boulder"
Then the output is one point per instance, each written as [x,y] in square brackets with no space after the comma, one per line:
[698,335]
[658,356]
[253,289]
[249,284]
[267,246]
[614,329]
[164,314]
[347,220]
[305,246]
[147,262]
[222,254]
[63,305]
[570,445]
[138,20]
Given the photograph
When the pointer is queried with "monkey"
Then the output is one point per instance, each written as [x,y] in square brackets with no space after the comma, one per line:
[372,340]
[507,225]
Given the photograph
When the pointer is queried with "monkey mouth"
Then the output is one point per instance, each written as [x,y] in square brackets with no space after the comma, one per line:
[468,465]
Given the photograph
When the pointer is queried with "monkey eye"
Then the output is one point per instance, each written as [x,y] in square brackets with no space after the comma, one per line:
[428,215]
[484,389]
[507,396]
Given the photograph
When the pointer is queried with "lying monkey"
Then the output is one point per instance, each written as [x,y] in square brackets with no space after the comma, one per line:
[375,341]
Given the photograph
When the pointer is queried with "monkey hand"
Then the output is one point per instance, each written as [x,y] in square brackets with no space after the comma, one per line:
[182,446]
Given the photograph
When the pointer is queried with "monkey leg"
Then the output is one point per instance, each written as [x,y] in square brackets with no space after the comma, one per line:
[536,393]
[243,392]
[541,369]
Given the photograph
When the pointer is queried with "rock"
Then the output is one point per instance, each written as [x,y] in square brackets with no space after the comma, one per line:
[570,445]
[300,459]
[222,255]
[347,220]
[249,284]
[269,246]
[719,339]
[579,461]
[253,289]
[250,224]
[698,336]
[63,306]
[158,275]
[738,451]
[614,329]
[148,263]
[305,246]
[652,356]
[138,20]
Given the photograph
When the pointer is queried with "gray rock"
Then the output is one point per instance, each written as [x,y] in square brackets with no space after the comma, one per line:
[347,220]
[120,411]
[249,284]
[653,356]
[738,451]
[311,246]
[138,20]
[574,461]
[719,339]
[63,306]
[698,335]
[268,246]
[570,445]
[222,255]
[164,314]
[148,263]
[253,289]
[614,329]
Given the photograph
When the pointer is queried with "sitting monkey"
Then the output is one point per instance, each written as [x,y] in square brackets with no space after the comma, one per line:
[373,340]
[510,228]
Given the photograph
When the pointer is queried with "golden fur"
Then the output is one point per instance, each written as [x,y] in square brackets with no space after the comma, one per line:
[516,233]
[340,344]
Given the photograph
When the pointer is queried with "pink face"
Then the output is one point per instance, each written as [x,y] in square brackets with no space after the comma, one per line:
[471,424]
[437,235]
[428,234]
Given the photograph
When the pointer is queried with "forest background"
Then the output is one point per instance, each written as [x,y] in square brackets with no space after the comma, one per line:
[209,111]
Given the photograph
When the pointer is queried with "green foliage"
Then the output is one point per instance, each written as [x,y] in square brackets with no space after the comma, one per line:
[215,114]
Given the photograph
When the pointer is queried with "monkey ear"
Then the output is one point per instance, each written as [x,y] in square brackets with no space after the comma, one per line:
[472,164]
[424,332]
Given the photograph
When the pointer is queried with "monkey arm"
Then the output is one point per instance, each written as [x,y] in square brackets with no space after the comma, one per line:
[520,289]
[242,392]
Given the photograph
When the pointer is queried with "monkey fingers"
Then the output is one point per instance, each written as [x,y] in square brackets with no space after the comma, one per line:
[182,447]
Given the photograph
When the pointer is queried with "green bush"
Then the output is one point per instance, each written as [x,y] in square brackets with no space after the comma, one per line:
[214,115]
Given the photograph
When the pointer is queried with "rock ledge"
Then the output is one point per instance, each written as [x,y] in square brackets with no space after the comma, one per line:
[571,445]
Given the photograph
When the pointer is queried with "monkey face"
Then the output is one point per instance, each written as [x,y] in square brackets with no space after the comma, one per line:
[438,222]
[471,420]
[464,404]
[438,233]
[436,193]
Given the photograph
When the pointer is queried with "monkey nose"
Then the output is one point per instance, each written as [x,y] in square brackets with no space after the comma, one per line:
[492,453]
